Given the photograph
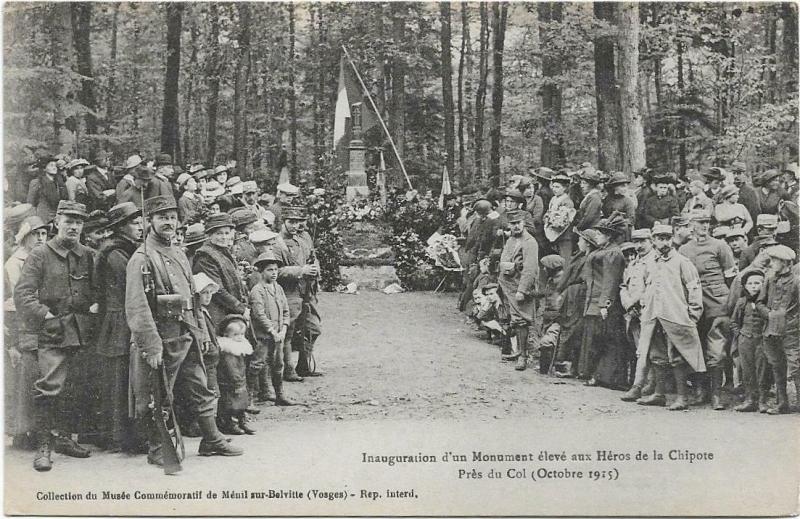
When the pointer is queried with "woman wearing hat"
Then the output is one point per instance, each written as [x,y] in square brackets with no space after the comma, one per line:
[729,212]
[76,184]
[618,199]
[770,192]
[22,368]
[46,191]
[558,218]
[590,209]
[661,205]
[190,205]
[116,430]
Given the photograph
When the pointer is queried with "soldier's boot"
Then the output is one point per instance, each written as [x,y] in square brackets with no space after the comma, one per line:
[42,461]
[510,349]
[213,443]
[763,401]
[680,373]
[701,395]
[252,388]
[782,404]
[633,394]
[226,425]
[155,452]
[750,403]
[280,397]
[657,398]
[244,424]
[65,445]
[522,343]
[545,359]
[265,393]
[716,389]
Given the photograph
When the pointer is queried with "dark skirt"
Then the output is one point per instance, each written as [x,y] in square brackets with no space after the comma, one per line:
[605,353]
[114,426]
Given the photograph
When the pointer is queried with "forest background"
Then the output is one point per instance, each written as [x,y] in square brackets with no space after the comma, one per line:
[486,89]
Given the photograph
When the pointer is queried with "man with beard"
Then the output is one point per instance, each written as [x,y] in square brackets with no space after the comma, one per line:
[114,337]
[163,337]
[671,308]
[56,300]
[250,200]
[518,279]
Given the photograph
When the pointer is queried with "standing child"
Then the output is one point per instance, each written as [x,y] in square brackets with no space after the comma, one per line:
[206,288]
[231,375]
[747,325]
[270,313]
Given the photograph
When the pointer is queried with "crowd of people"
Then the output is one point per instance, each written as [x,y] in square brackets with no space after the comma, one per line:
[146,297]
[650,284]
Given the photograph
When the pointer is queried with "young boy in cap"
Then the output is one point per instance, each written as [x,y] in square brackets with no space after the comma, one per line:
[778,304]
[747,325]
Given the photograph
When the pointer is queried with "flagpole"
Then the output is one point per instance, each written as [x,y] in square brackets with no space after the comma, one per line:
[383,124]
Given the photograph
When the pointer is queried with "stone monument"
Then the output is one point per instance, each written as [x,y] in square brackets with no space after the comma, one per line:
[356,173]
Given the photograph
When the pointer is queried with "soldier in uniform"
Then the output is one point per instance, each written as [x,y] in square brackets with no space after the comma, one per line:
[518,279]
[145,185]
[286,193]
[245,221]
[55,298]
[661,205]
[160,336]
[714,262]
[100,182]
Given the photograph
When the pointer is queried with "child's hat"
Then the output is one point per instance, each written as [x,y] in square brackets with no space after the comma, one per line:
[227,320]
[750,273]
[202,281]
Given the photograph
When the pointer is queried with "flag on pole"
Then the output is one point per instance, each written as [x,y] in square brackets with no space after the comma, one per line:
[350,92]
[446,188]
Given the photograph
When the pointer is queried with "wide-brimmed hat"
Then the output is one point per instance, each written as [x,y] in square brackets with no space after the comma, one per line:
[232,181]
[220,169]
[590,175]
[195,233]
[516,194]
[618,177]
[727,192]
[30,224]
[74,163]
[543,173]
[133,161]
[68,207]
[763,178]
[182,178]
[121,213]
[196,168]
[159,204]
[16,214]
[242,216]
[96,221]
[714,173]
[203,281]
[267,257]
[664,178]
[590,235]
[219,221]
[294,212]
[213,189]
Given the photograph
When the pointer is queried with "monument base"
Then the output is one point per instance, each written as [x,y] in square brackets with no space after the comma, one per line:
[353,192]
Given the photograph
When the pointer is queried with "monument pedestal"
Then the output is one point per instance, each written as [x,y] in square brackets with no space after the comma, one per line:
[357,174]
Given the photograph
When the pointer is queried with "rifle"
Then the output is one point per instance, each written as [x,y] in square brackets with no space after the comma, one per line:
[161,398]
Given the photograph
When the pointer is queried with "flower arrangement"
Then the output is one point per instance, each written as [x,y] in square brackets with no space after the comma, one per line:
[558,220]
[443,250]
[362,210]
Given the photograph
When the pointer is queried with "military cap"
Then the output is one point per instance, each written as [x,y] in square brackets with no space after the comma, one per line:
[727,192]
[516,215]
[781,252]
[250,186]
[267,257]
[196,168]
[738,166]
[95,221]
[767,220]
[182,178]
[640,234]
[618,177]
[735,232]
[720,231]
[590,235]
[232,182]
[294,212]
[203,281]
[213,189]
[74,163]
[552,262]
[145,173]
[237,189]
[17,214]
[30,224]
[489,286]
[133,161]
[662,230]
[699,215]
[681,220]
[515,194]
[262,236]
[714,173]
[664,178]
[288,189]
[227,320]
[242,216]
[195,233]
[220,169]
[627,246]
[543,173]
[122,212]
[159,204]
[590,175]
[68,207]
[218,221]
[163,159]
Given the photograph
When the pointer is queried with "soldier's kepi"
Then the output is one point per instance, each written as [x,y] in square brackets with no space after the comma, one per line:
[168,334]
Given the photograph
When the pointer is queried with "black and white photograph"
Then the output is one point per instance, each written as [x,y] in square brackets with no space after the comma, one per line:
[392,258]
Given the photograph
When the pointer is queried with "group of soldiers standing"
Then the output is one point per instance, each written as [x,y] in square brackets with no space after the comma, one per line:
[644,283]
[175,306]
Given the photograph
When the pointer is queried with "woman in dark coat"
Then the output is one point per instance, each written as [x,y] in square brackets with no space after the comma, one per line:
[114,337]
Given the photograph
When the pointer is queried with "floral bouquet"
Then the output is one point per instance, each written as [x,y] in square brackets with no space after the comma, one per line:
[557,221]
[442,249]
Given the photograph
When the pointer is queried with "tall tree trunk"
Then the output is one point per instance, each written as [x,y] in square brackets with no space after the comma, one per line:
[681,121]
[606,95]
[447,87]
[81,14]
[187,105]
[633,150]
[398,120]
[499,19]
[170,137]
[60,30]
[772,30]
[112,73]
[480,96]
[552,152]
[465,95]
[292,99]
[322,28]
[240,138]
[789,48]
[213,71]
